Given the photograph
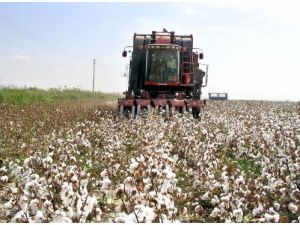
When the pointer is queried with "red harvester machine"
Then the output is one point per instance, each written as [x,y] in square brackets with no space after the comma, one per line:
[164,73]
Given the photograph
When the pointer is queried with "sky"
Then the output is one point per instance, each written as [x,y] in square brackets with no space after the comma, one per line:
[252,46]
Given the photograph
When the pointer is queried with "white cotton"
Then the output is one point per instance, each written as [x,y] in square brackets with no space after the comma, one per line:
[205,196]
[105,184]
[145,213]
[74,179]
[98,215]
[215,200]
[226,186]
[8,205]
[61,219]
[272,218]
[4,178]
[258,210]
[238,215]
[26,163]
[277,205]
[225,198]
[34,176]
[38,217]
[166,186]
[78,205]
[190,172]
[224,176]
[104,173]
[16,170]
[283,192]
[70,212]
[46,161]
[19,217]
[240,180]
[215,213]
[134,164]
[198,208]
[3,169]
[34,205]
[292,207]
[91,202]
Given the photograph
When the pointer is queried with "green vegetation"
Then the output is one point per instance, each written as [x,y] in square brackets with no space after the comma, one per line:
[24,96]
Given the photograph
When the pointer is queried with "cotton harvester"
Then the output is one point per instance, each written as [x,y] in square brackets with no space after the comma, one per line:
[164,73]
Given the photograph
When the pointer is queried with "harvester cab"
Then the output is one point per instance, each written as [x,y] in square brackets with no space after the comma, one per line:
[164,73]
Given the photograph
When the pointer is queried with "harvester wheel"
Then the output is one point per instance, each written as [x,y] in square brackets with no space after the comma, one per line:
[196,113]
[121,110]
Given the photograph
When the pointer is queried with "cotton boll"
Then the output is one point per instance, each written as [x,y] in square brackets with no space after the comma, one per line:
[225,198]
[134,164]
[225,186]
[3,169]
[34,205]
[258,210]
[269,217]
[4,178]
[205,196]
[38,217]
[98,215]
[27,163]
[19,217]
[91,202]
[8,205]
[215,213]
[238,215]
[283,192]
[70,212]
[277,205]
[190,172]
[215,200]
[293,208]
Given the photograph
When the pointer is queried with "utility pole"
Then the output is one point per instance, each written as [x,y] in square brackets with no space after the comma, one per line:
[94,62]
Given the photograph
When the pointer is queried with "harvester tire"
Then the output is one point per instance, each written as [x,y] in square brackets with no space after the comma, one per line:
[196,113]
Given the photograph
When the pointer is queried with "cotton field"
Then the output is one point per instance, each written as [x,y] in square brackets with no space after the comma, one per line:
[239,163]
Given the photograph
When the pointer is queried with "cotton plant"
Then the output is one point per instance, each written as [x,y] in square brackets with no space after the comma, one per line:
[49,191]
[147,194]
[240,163]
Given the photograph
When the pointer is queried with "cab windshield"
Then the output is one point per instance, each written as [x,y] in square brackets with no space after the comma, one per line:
[162,65]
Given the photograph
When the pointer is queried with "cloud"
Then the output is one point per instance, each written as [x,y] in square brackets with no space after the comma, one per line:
[21,58]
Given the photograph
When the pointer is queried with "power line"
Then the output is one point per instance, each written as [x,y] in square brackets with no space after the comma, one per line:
[16,27]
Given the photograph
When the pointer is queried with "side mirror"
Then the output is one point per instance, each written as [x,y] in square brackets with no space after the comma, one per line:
[124,53]
[201,56]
